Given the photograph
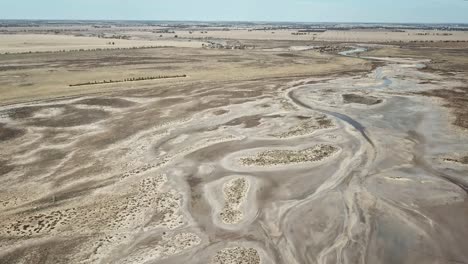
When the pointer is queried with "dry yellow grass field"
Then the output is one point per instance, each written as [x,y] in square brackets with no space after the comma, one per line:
[19,43]
[34,76]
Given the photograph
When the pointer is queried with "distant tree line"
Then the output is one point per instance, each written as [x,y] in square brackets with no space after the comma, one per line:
[114,36]
[133,79]
[81,50]
[164,31]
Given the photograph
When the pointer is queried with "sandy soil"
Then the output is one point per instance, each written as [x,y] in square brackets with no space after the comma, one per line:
[255,158]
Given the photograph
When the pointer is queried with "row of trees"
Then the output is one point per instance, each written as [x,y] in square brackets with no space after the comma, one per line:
[81,50]
[133,79]
[114,36]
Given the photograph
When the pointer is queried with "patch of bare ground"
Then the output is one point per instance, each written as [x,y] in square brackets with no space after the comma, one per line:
[361,99]
[237,255]
[456,101]
[285,157]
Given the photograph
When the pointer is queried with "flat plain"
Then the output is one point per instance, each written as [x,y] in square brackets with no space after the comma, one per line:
[232,145]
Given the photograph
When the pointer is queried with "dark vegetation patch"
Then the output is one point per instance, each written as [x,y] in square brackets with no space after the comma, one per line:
[285,156]
[87,60]
[85,50]
[238,60]
[25,112]
[71,117]
[361,99]
[426,82]
[323,121]
[43,161]
[220,112]
[133,79]
[7,133]
[5,167]
[114,60]
[287,55]
[47,158]
[301,117]
[457,102]
[50,251]
[200,106]
[273,116]
[462,160]
[315,82]
[246,121]
[113,102]
[21,67]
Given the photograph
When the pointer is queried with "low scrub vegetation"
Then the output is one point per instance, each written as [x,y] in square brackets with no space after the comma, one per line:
[133,79]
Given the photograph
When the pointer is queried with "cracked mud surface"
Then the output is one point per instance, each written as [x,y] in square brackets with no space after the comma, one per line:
[263,171]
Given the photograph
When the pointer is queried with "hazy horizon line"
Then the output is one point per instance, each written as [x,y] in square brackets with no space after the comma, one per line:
[230,21]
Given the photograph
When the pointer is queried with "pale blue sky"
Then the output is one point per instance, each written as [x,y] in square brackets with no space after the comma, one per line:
[431,11]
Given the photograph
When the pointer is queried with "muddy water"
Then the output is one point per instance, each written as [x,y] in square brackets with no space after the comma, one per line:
[358,126]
